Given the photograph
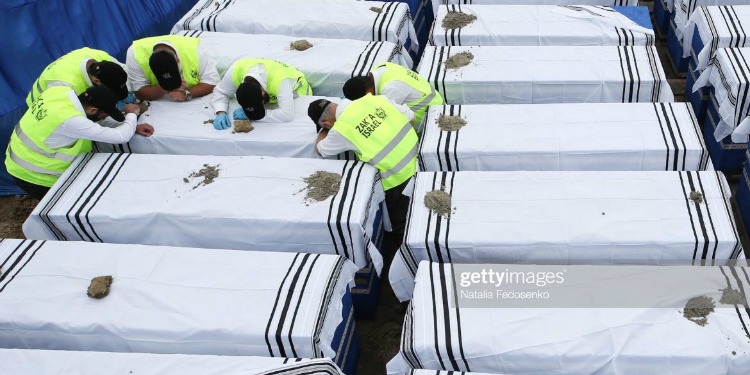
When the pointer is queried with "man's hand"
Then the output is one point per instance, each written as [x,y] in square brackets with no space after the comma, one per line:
[132,108]
[221,121]
[179,94]
[129,99]
[144,129]
[239,114]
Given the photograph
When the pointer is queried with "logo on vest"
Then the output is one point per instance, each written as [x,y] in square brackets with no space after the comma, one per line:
[194,74]
[371,122]
[37,109]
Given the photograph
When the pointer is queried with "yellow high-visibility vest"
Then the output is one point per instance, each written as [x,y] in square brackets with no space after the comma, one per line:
[430,96]
[276,72]
[187,51]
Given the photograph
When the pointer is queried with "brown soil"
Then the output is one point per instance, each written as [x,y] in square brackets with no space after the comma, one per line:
[696,197]
[457,20]
[439,203]
[208,172]
[376,9]
[321,185]
[209,121]
[13,212]
[99,287]
[144,106]
[450,123]
[300,45]
[731,296]
[698,308]
[242,126]
[458,60]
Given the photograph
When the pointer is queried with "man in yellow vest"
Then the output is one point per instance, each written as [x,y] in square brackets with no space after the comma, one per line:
[399,84]
[380,133]
[256,83]
[59,126]
[170,65]
[80,69]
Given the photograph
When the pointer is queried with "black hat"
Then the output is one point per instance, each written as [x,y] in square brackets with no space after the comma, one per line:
[250,98]
[164,65]
[315,110]
[356,87]
[103,98]
[113,76]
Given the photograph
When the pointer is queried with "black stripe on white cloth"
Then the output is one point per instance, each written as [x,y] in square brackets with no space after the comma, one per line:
[449,334]
[366,59]
[52,197]
[674,134]
[663,135]
[426,121]
[625,74]
[436,336]
[305,368]
[435,66]
[699,214]
[737,250]
[405,250]
[350,209]
[445,71]
[729,24]
[428,225]
[299,303]
[449,32]
[745,322]
[654,63]
[90,195]
[342,202]
[286,287]
[709,214]
[742,72]
[190,18]
[686,196]
[704,156]
[438,144]
[380,21]
[11,266]
[407,338]
[211,19]
[638,81]
[433,233]
[325,302]
[714,43]
[741,34]
[677,127]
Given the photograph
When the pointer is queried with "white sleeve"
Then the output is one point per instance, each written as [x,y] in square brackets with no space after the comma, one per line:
[207,69]
[80,127]
[285,97]
[224,90]
[405,110]
[334,143]
[136,75]
[396,91]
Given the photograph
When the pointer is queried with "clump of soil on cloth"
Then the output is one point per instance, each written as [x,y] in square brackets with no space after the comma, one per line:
[321,185]
[696,197]
[208,172]
[458,60]
[439,203]
[144,106]
[731,296]
[209,121]
[376,9]
[697,309]
[300,45]
[99,287]
[242,126]
[450,123]
[457,20]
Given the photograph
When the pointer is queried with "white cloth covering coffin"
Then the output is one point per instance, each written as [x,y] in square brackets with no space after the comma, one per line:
[683,10]
[183,129]
[63,362]
[332,19]
[170,300]
[433,372]
[436,3]
[579,340]
[255,203]
[559,217]
[535,137]
[718,27]
[540,25]
[549,74]
[325,74]
[729,74]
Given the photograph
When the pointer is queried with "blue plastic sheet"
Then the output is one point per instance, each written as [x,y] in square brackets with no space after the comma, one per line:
[36,32]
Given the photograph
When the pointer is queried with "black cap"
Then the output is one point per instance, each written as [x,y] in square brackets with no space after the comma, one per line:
[113,76]
[164,65]
[250,98]
[104,99]
[315,110]
[356,87]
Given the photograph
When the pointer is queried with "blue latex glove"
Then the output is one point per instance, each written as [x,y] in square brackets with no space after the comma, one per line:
[129,99]
[221,122]
[239,114]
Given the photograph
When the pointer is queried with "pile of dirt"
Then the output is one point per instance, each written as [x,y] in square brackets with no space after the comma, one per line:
[144,106]
[439,203]
[321,185]
[458,60]
[450,123]
[99,287]
[209,121]
[208,172]
[13,211]
[457,20]
[698,308]
[696,197]
[731,296]
[376,9]
[300,45]
[242,126]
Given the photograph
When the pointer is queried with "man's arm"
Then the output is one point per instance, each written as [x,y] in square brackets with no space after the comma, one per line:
[404,109]
[321,136]
[224,90]
[209,76]
[201,89]
[80,127]
[285,110]
[137,80]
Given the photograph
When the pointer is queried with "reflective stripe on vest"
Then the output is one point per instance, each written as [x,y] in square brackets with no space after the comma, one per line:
[403,163]
[31,145]
[276,73]
[187,51]
[395,72]
[24,164]
[391,145]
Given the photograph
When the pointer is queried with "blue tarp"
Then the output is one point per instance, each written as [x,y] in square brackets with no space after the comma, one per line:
[36,32]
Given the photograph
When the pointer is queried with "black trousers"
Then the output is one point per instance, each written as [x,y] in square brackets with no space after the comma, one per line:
[397,205]
[36,191]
